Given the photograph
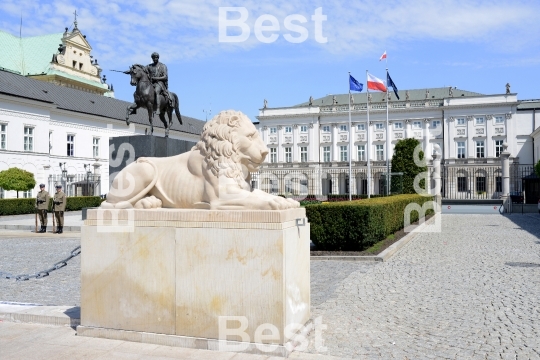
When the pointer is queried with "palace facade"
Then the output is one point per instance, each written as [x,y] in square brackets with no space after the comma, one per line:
[310,151]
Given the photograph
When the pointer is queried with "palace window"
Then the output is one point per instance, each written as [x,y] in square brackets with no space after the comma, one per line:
[273,155]
[28,138]
[481,183]
[70,145]
[461,150]
[303,154]
[460,121]
[480,149]
[3,136]
[417,125]
[326,128]
[361,153]
[379,150]
[398,125]
[379,126]
[288,129]
[479,120]
[95,147]
[435,124]
[361,127]
[273,130]
[498,147]
[342,127]
[462,184]
[499,120]
[303,128]
[326,153]
[27,194]
[288,154]
[498,183]
[343,152]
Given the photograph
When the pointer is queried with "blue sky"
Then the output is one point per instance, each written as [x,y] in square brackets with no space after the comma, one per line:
[472,45]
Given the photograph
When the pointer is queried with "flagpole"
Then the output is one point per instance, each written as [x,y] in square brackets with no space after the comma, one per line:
[387,136]
[350,146]
[368,142]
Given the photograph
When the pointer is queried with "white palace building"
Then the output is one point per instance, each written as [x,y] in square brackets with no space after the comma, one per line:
[309,142]
[57,114]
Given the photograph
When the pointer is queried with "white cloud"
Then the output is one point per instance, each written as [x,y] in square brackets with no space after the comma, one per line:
[128,31]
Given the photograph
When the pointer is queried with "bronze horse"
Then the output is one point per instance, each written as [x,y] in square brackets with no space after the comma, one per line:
[144,97]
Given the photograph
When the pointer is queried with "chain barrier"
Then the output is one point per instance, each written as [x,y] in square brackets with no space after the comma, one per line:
[43,273]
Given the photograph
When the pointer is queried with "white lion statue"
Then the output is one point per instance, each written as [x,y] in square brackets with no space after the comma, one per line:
[214,175]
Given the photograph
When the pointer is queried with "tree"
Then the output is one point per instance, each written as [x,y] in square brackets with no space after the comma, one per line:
[403,161]
[17,179]
[537,168]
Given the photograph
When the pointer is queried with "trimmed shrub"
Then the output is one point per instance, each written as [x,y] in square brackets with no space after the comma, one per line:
[357,225]
[27,205]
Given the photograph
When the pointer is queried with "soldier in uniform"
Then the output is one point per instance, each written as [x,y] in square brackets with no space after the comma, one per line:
[160,80]
[59,201]
[42,204]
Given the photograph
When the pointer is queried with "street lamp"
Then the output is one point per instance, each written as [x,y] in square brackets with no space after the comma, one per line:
[64,175]
[88,174]
[63,168]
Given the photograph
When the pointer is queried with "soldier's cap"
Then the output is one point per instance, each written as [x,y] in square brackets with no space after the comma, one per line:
[58,186]
[41,185]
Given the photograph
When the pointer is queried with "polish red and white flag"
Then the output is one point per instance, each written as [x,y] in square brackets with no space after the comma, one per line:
[374,83]
[383,56]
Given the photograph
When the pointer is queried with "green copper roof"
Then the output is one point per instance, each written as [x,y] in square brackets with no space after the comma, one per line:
[30,55]
[73,77]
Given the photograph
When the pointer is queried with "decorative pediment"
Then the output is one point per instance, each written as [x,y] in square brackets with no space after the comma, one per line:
[77,39]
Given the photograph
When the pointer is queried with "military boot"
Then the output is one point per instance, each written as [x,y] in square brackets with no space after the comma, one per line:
[42,230]
[61,229]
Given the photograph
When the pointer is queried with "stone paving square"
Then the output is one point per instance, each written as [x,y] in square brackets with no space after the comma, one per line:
[469,292]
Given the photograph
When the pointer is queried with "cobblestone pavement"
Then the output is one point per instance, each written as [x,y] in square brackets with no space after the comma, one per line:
[469,292]
[27,254]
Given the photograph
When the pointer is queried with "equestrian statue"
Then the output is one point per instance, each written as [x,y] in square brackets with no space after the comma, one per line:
[152,92]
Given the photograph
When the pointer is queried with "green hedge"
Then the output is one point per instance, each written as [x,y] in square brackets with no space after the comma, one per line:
[357,225]
[26,206]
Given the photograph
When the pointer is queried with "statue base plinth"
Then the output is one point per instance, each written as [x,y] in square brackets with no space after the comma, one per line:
[194,278]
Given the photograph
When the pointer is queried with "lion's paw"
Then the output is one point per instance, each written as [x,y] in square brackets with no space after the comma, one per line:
[283,203]
[118,205]
[149,202]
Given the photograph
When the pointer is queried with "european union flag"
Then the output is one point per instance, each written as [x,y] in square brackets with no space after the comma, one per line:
[390,83]
[354,85]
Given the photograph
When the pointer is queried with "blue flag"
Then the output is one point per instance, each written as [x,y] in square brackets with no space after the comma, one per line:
[354,85]
[391,84]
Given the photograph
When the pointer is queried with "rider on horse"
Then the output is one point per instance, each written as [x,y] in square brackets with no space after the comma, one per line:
[160,80]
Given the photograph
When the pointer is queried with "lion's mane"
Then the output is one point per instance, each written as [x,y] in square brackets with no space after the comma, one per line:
[218,145]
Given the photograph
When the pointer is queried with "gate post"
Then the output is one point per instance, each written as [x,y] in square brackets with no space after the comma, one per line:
[437,176]
[97,179]
[505,168]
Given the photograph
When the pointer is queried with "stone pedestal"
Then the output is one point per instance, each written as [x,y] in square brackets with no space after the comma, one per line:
[173,276]
[123,150]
